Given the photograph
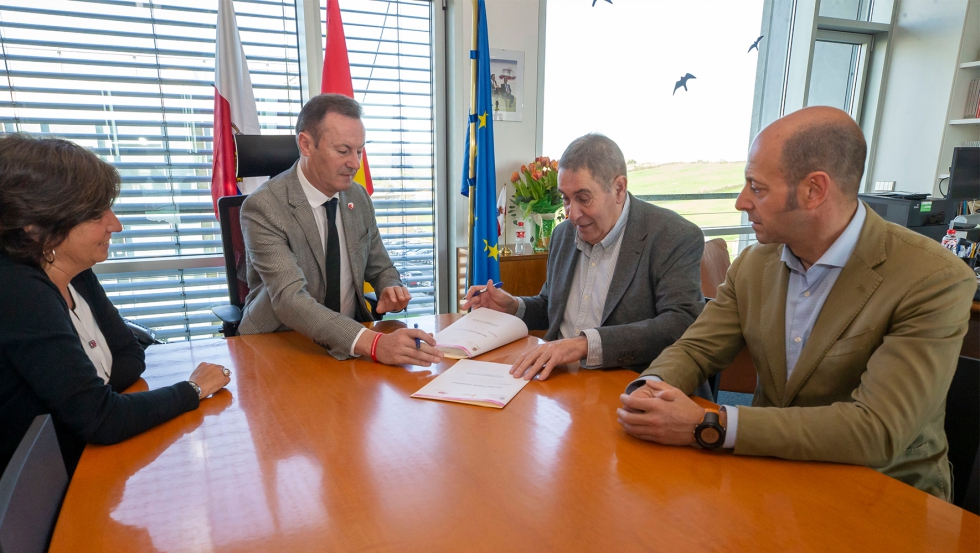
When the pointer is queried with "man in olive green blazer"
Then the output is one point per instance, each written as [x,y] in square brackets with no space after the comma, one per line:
[868,383]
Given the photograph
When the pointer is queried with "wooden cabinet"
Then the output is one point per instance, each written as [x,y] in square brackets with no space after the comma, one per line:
[522,275]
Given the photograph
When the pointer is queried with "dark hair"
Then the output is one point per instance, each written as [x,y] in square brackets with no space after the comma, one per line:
[318,107]
[52,185]
[597,153]
[837,148]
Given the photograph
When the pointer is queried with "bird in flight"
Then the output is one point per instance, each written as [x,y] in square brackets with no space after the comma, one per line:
[756,44]
[683,82]
[594,1]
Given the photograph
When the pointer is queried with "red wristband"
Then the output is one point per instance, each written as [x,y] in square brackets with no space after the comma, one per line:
[374,347]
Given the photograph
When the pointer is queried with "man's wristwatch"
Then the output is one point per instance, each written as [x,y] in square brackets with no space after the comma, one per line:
[709,433]
[196,388]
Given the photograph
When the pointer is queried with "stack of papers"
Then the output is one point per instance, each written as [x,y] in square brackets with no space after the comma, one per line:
[474,382]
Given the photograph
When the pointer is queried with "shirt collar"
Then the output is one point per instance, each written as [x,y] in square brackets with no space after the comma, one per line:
[314,196]
[840,251]
[613,235]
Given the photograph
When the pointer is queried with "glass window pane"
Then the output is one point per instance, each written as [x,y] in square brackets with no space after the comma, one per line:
[134,83]
[691,142]
[390,50]
[834,75]
[846,9]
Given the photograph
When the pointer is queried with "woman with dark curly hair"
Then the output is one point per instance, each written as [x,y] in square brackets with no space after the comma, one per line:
[64,349]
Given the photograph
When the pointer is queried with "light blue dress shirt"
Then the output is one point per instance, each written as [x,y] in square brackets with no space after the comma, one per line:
[807,292]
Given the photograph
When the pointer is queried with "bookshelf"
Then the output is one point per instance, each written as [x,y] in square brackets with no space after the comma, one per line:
[960,129]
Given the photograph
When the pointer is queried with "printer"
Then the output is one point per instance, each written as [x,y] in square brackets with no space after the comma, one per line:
[917,212]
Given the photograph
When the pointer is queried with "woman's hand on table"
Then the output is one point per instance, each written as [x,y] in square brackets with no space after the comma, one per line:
[210,378]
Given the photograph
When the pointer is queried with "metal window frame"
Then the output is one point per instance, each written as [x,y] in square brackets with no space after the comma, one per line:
[859,65]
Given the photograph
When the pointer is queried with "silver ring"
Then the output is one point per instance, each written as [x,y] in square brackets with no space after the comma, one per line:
[226,371]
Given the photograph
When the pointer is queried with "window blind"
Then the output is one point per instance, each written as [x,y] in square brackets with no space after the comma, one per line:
[389,44]
[132,81]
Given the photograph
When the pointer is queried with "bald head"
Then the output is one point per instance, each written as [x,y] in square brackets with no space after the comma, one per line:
[820,139]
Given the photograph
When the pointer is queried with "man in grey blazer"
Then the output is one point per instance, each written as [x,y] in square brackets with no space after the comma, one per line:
[299,275]
[624,278]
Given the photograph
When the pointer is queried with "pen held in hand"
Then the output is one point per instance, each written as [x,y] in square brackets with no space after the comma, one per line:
[496,285]
[418,341]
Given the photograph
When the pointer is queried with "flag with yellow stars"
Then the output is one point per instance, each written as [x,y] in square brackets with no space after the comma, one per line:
[483,251]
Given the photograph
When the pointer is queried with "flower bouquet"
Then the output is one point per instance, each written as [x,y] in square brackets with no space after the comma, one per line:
[536,194]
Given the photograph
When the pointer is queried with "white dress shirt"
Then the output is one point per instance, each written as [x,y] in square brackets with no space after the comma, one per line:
[348,297]
[93,342]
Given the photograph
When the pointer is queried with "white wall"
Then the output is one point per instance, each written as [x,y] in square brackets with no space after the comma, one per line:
[511,25]
[917,92]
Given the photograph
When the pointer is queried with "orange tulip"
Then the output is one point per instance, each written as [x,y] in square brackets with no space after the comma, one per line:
[545,160]
[536,175]
[523,168]
[554,164]
[514,177]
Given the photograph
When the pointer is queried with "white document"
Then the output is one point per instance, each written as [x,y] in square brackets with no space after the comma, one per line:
[480,331]
[474,382]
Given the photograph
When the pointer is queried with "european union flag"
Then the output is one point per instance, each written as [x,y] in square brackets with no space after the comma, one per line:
[484,258]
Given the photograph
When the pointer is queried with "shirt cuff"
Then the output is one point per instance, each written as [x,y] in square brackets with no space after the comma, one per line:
[594,359]
[639,382]
[520,308]
[732,426]
[354,343]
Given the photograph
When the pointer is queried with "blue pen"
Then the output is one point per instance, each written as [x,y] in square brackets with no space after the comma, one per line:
[496,285]
[418,341]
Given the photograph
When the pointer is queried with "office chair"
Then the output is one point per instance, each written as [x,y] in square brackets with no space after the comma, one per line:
[31,490]
[233,246]
[257,155]
[264,155]
[145,336]
[714,268]
[963,432]
[740,375]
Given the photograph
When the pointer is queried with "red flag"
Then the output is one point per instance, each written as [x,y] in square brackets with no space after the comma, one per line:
[234,107]
[336,76]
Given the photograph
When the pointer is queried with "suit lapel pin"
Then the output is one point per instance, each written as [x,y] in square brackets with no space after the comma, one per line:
[350,205]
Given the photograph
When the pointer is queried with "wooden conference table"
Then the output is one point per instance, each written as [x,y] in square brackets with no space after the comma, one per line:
[305,453]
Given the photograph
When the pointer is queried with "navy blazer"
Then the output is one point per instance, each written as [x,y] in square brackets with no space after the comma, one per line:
[43,368]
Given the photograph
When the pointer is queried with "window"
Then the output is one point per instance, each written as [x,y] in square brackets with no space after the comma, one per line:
[685,148]
[840,61]
[133,82]
[839,71]
[389,45]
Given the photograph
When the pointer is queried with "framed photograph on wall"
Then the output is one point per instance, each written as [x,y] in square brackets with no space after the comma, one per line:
[507,81]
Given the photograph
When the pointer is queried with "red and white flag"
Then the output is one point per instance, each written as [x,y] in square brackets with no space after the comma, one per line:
[336,76]
[234,107]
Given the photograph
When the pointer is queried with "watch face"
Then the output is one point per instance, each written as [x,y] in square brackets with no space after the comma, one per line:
[710,435]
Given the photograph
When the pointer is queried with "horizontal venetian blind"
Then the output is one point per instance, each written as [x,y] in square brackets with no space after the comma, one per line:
[389,45]
[132,81]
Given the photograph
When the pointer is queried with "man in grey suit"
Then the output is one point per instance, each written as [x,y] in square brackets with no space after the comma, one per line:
[624,278]
[299,275]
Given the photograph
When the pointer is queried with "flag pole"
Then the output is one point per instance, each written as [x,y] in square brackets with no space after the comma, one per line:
[474,44]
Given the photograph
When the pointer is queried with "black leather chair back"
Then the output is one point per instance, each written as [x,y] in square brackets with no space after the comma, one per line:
[31,490]
[963,432]
[265,155]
